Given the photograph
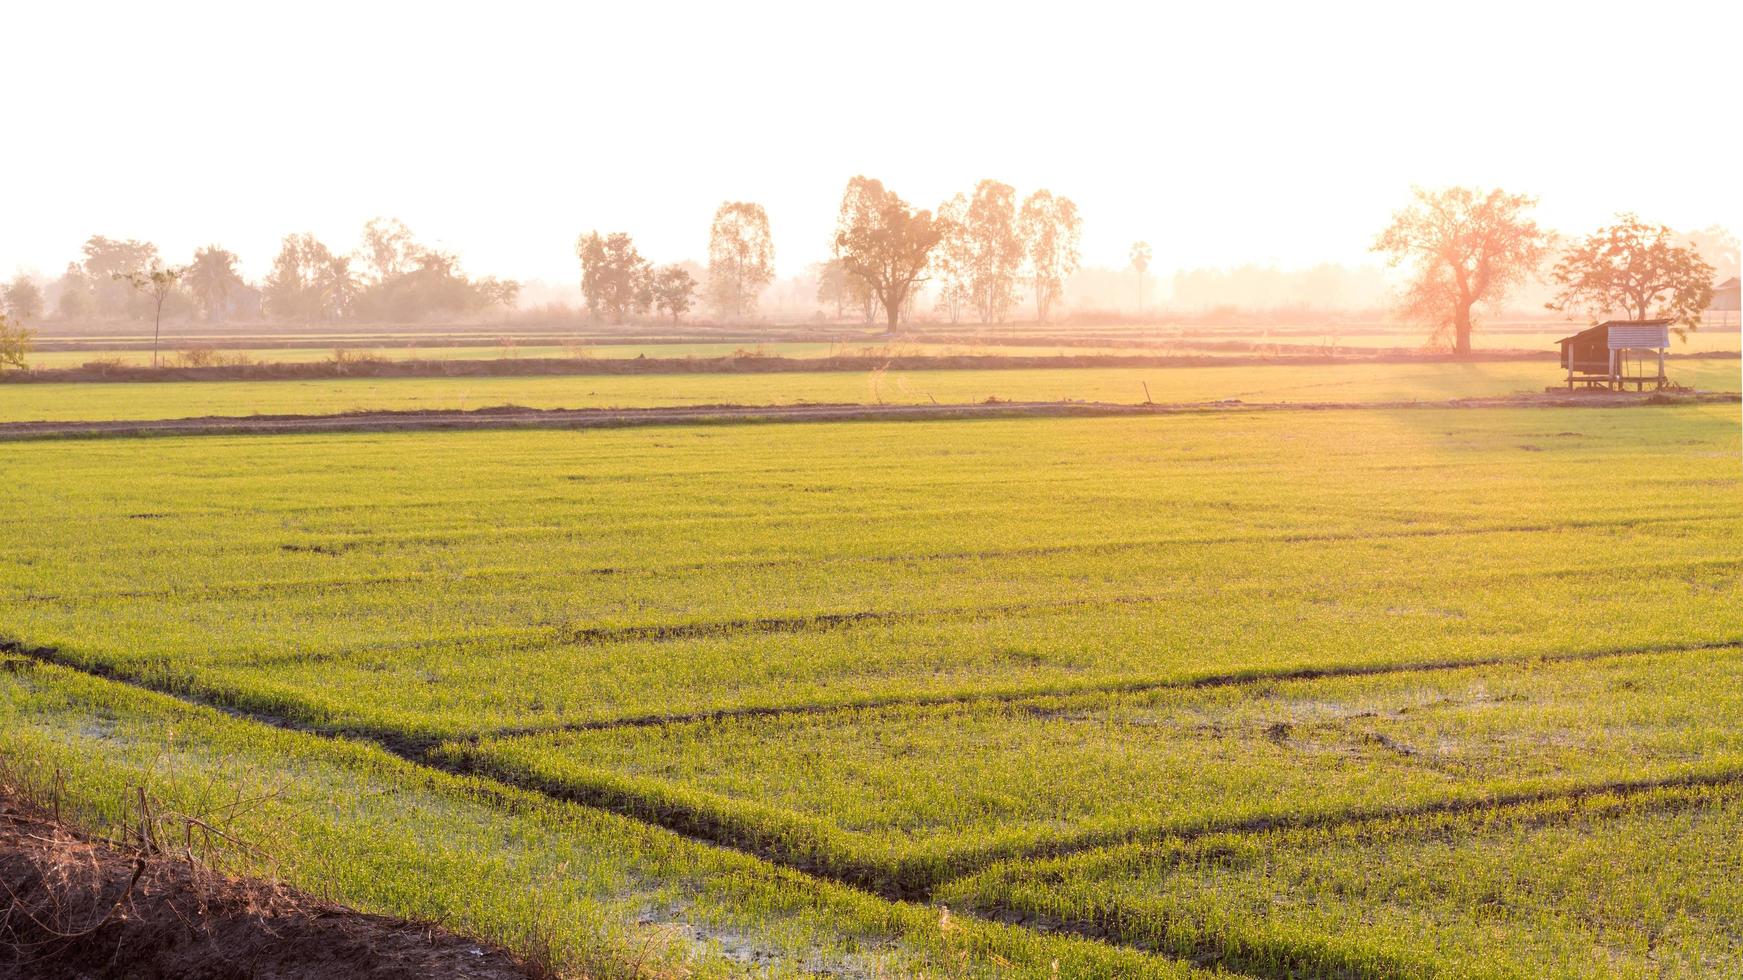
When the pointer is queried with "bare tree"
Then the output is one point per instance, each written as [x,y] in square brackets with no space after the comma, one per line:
[1141,265]
[157,283]
[1466,246]
[1636,269]
[741,258]
[884,243]
[1050,230]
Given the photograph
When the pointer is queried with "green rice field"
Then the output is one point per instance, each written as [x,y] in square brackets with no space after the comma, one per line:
[1360,692]
[1248,383]
[488,342]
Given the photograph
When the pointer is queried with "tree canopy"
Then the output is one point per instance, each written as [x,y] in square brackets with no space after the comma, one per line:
[1050,229]
[995,252]
[157,283]
[309,282]
[741,258]
[212,278]
[884,243]
[674,290]
[1636,270]
[1464,246]
[615,280]
[22,300]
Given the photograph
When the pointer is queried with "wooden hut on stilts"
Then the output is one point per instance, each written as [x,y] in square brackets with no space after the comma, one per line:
[1617,353]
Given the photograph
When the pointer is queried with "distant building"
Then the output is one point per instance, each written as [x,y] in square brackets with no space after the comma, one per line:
[1725,298]
[1601,357]
[1723,311]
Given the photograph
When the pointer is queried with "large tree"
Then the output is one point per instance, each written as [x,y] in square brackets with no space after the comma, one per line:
[615,279]
[1465,246]
[995,251]
[157,283]
[388,250]
[1635,270]
[406,281]
[109,263]
[491,292]
[953,258]
[741,258]
[212,278]
[309,282]
[1050,230]
[674,290]
[834,285]
[76,294]
[884,243]
[22,299]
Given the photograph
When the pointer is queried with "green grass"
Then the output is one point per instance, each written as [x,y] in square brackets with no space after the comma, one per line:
[1284,383]
[437,584]
[857,792]
[969,339]
[1010,613]
[1647,885]
[589,892]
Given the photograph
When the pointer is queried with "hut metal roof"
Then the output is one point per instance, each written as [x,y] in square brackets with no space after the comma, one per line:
[1630,334]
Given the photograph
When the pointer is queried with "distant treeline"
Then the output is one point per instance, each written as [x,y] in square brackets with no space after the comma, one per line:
[986,256]
[389,277]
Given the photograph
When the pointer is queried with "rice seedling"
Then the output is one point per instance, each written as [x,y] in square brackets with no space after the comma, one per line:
[1639,885]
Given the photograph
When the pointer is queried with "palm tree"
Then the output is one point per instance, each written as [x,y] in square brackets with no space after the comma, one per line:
[211,277]
[1141,262]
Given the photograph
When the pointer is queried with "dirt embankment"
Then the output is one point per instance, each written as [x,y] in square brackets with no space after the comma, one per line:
[75,909]
[515,417]
[364,367]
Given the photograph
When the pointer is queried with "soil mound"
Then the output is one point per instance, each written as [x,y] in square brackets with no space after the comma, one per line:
[75,908]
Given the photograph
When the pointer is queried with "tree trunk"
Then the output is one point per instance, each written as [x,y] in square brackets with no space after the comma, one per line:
[895,313]
[1462,330]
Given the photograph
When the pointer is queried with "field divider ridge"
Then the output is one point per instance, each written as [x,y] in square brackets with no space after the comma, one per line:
[817,848]
[514,417]
[1129,686]
[1254,952]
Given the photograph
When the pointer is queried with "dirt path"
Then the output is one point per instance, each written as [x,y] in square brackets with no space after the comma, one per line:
[73,908]
[511,417]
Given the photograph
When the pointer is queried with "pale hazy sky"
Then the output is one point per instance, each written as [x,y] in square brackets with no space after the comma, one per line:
[1221,132]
